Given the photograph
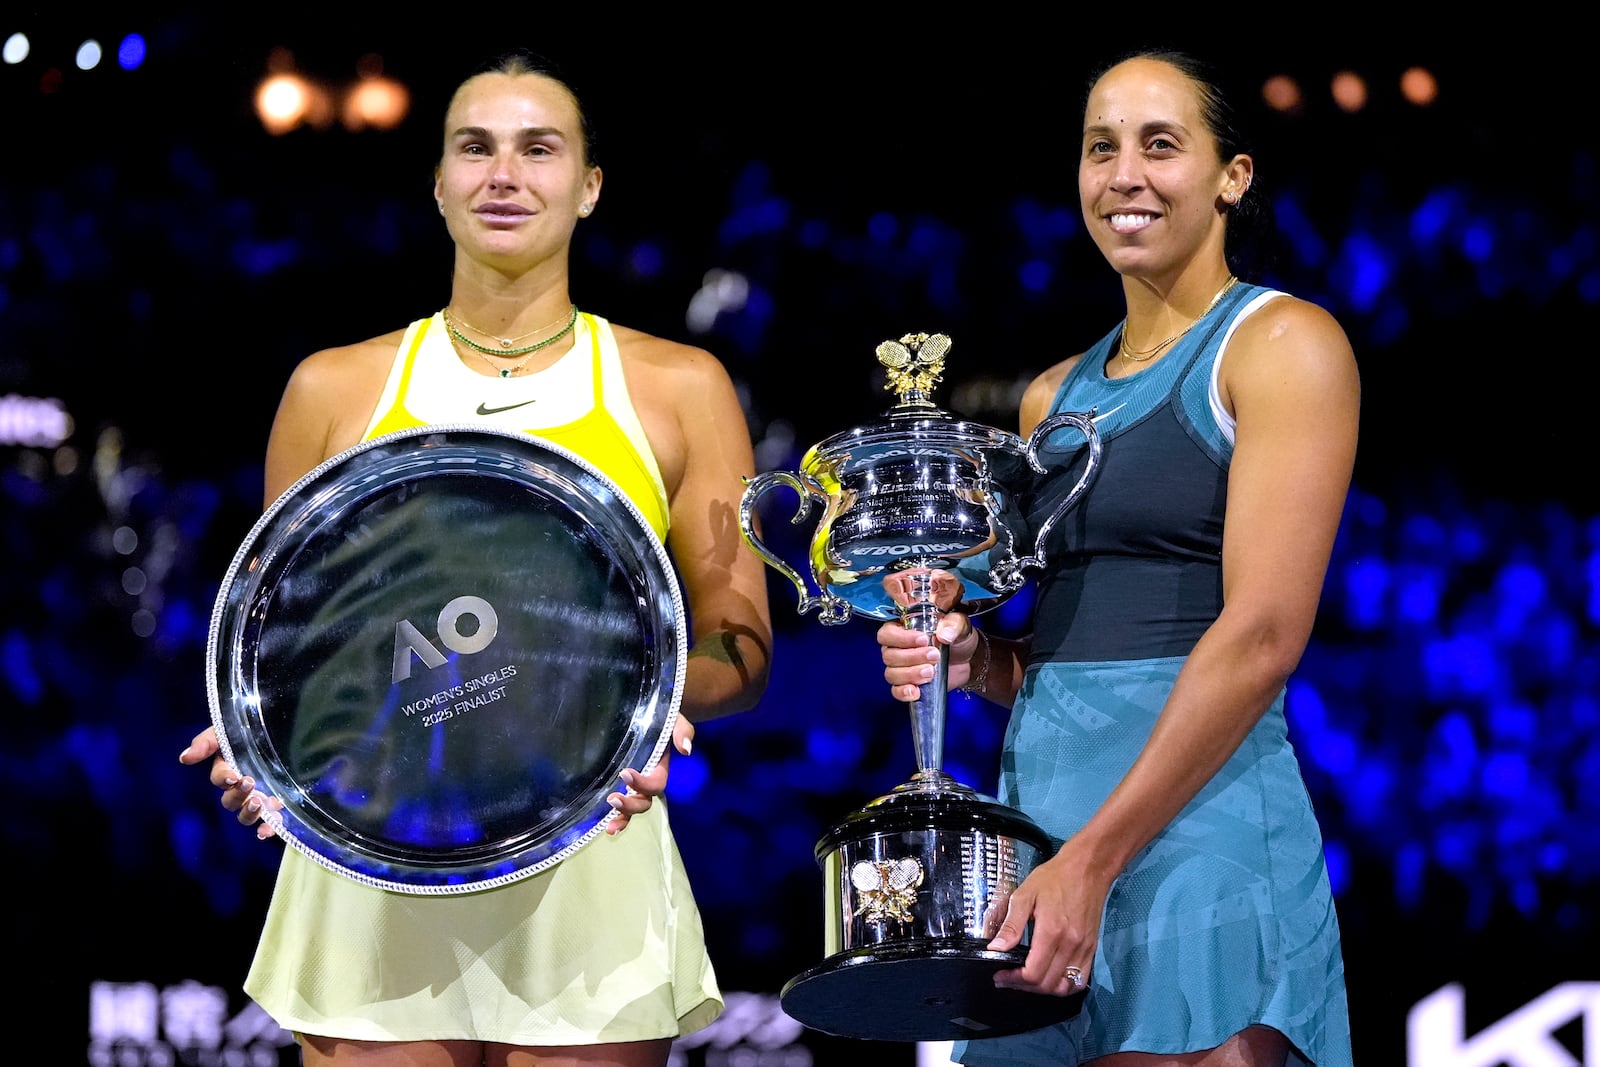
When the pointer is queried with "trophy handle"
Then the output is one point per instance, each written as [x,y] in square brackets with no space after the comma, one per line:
[1084,421]
[832,610]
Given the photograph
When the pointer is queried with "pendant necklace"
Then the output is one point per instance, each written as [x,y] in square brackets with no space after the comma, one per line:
[505,349]
[1133,356]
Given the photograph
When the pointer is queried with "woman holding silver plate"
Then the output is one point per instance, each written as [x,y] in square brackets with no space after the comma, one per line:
[1188,894]
[364,975]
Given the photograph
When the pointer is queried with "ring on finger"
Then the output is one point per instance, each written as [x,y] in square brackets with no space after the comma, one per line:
[1073,976]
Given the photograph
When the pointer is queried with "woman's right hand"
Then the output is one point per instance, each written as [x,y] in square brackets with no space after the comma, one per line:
[238,791]
[910,656]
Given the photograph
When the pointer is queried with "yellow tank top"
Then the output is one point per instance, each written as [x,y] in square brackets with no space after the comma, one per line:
[579,403]
[606,945]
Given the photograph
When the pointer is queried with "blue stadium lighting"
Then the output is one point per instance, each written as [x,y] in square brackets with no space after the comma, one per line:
[1589,287]
[1478,242]
[1417,596]
[1334,752]
[764,216]
[1035,276]
[1519,589]
[1505,775]
[18,666]
[1431,220]
[1338,860]
[1410,870]
[1457,846]
[1044,225]
[131,52]
[1366,590]
[1297,229]
[261,258]
[1453,755]
[1591,573]
[647,260]
[929,238]
[1365,270]
[832,747]
[689,778]
[883,227]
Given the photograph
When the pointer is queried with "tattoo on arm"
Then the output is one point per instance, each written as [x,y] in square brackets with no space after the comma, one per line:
[723,646]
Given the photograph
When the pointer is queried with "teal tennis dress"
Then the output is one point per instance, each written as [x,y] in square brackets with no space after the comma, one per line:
[1226,920]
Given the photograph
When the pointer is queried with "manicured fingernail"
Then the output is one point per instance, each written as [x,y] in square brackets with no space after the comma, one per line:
[230,781]
[688,745]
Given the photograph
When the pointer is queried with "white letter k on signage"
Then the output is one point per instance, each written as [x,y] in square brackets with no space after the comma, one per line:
[1525,1038]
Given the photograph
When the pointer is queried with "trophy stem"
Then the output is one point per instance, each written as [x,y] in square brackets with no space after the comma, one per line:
[928,710]
[927,719]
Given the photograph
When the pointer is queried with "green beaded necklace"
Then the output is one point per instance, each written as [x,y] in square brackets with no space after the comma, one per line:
[506,372]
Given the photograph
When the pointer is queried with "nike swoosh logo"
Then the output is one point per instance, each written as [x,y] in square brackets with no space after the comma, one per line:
[1096,418]
[485,409]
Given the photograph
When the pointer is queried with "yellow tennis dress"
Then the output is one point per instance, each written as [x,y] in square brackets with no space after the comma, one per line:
[606,945]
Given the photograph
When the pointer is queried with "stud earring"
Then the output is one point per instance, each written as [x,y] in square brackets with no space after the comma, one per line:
[584,210]
[1230,197]
[441,207]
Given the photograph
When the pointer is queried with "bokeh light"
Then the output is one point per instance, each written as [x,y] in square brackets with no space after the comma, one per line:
[1419,86]
[1282,93]
[1349,91]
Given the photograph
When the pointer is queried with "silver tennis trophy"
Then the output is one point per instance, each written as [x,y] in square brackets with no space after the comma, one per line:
[921,512]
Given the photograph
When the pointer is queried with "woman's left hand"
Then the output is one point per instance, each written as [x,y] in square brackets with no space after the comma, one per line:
[1064,906]
[640,790]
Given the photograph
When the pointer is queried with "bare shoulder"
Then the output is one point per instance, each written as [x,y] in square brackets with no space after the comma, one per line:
[1290,331]
[330,396]
[1289,346]
[686,402]
[1041,393]
[344,366]
[670,362]
[669,376]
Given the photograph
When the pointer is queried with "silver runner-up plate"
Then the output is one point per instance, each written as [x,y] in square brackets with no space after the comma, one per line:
[439,650]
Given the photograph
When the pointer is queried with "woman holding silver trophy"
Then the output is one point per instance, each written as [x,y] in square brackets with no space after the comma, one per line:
[1188,895]
[599,958]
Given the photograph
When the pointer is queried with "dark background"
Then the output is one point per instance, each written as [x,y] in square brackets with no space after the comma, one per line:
[164,262]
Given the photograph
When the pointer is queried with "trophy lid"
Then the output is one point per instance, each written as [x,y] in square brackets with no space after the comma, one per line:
[915,364]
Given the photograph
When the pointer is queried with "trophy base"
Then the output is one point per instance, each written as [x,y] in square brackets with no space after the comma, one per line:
[930,991]
[916,884]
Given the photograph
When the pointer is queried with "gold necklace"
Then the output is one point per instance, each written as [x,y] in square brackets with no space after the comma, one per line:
[505,342]
[526,353]
[1133,356]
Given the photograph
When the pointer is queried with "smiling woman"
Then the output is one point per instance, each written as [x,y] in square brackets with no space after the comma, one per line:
[1187,900]
[600,958]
